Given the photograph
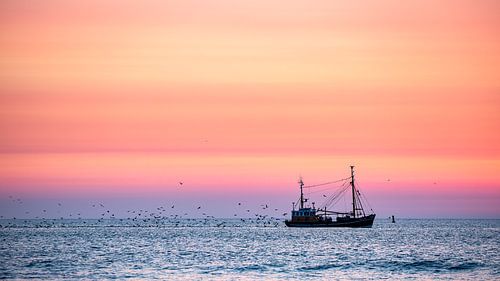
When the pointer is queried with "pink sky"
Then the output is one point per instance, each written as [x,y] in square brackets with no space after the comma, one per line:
[239,98]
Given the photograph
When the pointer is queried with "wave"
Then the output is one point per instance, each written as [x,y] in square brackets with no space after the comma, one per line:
[251,267]
[41,263]
[320,267]
[433,265]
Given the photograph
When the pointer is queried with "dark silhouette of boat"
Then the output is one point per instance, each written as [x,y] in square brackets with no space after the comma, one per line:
[322,217]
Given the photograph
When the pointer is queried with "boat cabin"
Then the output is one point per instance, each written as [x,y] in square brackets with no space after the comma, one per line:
[305,212]
[304,215]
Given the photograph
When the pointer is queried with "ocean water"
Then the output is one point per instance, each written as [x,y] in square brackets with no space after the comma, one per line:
[217,249]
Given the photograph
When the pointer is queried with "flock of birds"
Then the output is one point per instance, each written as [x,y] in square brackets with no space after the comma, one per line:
[161,216]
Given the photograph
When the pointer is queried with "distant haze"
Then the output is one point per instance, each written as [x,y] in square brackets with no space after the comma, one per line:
[122,101]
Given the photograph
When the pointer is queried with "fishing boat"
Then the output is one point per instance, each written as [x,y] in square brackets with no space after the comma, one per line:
[310,216]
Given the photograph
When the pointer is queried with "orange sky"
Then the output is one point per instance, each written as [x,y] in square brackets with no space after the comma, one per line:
[128,97]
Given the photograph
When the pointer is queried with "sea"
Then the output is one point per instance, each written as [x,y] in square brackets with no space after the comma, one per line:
[240,249]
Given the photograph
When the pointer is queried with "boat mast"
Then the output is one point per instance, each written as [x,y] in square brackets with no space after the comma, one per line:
[353,193]
[301,193]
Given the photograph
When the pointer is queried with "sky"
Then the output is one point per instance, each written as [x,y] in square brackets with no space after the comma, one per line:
[119,101]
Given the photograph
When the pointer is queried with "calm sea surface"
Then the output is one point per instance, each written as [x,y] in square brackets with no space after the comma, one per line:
[243,250]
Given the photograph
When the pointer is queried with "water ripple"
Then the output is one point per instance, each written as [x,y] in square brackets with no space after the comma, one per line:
[410,249]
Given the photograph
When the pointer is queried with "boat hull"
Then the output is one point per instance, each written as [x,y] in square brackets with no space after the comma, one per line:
[366,221]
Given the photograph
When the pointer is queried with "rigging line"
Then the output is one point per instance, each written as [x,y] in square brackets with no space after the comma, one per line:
[328,188]
[362,197]
[340,190]
[297,202]
[337,200]
[367,203]
[321,184]
[337,193]
[359,199]
[341,194]
[334,198]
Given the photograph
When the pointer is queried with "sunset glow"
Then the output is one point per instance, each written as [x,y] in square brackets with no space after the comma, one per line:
[239,98]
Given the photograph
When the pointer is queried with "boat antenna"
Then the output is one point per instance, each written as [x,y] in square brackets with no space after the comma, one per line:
[353,193]
[301,193]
